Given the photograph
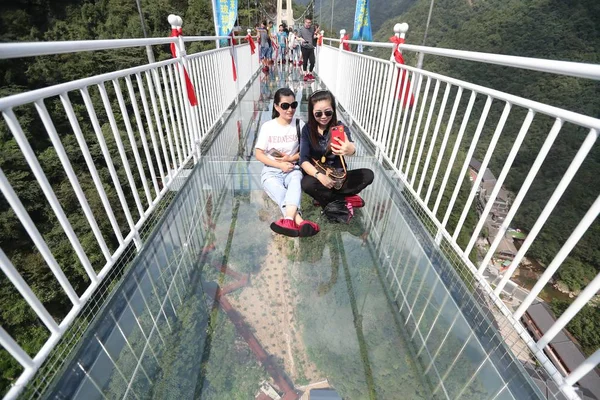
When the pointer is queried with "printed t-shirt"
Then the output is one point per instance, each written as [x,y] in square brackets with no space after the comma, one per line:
[273,135]
[281,36]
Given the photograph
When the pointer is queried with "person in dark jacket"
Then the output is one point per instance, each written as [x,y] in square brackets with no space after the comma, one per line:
[306,36]
[316,144]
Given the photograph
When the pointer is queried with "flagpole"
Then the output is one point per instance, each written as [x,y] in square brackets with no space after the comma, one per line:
[149,51]
[422,55]
[332,6]
[214,6]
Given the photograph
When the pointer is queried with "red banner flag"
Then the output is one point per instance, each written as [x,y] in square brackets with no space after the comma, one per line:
[345,44]
[251,42]
[402,75]
[188,83]
[233,43]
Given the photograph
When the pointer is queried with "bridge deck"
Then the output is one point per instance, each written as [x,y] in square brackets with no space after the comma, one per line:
[216,303]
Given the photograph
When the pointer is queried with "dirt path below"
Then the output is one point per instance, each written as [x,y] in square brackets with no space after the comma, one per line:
[269,306]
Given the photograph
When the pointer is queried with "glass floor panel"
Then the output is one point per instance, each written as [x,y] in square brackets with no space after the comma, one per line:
[216,306]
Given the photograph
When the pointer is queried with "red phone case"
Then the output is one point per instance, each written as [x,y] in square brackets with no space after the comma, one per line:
[337,132]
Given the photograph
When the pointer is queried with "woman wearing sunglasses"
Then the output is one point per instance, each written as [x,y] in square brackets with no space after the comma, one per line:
[277,148]
[317,144]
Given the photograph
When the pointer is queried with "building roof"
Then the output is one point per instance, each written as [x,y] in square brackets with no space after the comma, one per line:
[475,164]
[324,394]
[565,349]
[503,194]
[488,176]
[543,318]
[506,245]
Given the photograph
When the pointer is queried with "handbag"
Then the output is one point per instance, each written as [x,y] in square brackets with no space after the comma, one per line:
[336,175]
[338,211]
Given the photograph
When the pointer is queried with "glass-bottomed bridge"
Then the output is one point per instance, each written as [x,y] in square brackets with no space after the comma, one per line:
[186,293]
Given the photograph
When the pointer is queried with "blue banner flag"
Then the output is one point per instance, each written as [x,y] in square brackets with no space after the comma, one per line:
[362,22]
[226,14]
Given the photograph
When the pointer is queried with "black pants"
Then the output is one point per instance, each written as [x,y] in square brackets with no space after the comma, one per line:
[356,181]
[308,55]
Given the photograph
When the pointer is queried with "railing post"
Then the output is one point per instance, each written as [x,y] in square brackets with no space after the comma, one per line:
[176,23]
[235,62]
[339,80]
[392,83]
[249,31]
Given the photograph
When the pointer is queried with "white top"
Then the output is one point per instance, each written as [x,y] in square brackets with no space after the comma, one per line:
[292,41]
[283,138]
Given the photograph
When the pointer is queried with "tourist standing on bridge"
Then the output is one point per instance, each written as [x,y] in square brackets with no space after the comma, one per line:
[282,39]
[277,148]
[265,45]
[306,35]
[316,144]
[294,47]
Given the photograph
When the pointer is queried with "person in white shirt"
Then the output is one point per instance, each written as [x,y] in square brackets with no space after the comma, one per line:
[294,46]
[277,147]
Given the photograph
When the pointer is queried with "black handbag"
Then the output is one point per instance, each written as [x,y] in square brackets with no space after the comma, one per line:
[338,212]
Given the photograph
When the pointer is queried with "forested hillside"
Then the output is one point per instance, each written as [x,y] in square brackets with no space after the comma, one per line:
[343,12]
[532,29]
[550,29]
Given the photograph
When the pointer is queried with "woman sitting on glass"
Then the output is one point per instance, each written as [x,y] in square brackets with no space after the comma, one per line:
[277,148]
[317,144]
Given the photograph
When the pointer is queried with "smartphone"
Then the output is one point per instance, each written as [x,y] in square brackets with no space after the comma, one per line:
[338,132]
[275,153]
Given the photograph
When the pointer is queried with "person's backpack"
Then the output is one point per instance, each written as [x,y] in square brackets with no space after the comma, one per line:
[338,211]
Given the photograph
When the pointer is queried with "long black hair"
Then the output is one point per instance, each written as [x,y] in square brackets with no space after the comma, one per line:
[282,92]
[313,125]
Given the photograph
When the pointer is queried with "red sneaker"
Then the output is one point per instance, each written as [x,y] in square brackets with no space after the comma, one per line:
[355,200]
[305,78]
[285,227]
[311,76]
[308,228]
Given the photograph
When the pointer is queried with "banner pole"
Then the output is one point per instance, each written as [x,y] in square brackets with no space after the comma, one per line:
[214,6]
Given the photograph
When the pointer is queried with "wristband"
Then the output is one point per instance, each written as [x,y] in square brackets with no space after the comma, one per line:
[316,173]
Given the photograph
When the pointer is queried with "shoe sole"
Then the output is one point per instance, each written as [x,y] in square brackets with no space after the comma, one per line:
[284,231]
[307,231]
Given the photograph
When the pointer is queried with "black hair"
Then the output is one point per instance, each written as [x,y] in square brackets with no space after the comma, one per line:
[277,99]
[264,22]
[313,125]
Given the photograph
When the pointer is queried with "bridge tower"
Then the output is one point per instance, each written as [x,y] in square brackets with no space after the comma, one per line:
[285,15]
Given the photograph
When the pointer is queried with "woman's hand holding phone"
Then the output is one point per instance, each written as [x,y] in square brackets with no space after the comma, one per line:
[340,146]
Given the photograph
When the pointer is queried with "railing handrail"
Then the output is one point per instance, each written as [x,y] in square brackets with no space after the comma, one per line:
[568,68]
[160,123]
[34,49]
[18,99]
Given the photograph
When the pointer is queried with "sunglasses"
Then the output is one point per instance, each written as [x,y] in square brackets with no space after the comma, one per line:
[319,114]
[285,106]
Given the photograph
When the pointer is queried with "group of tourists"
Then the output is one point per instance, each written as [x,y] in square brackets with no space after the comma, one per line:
[288,45]
[309,157]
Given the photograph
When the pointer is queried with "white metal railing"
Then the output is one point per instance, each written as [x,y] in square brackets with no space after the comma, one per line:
[416,141]
[152,146]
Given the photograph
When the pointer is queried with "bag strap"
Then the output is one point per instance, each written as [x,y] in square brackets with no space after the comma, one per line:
[343,163]
[298,130]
